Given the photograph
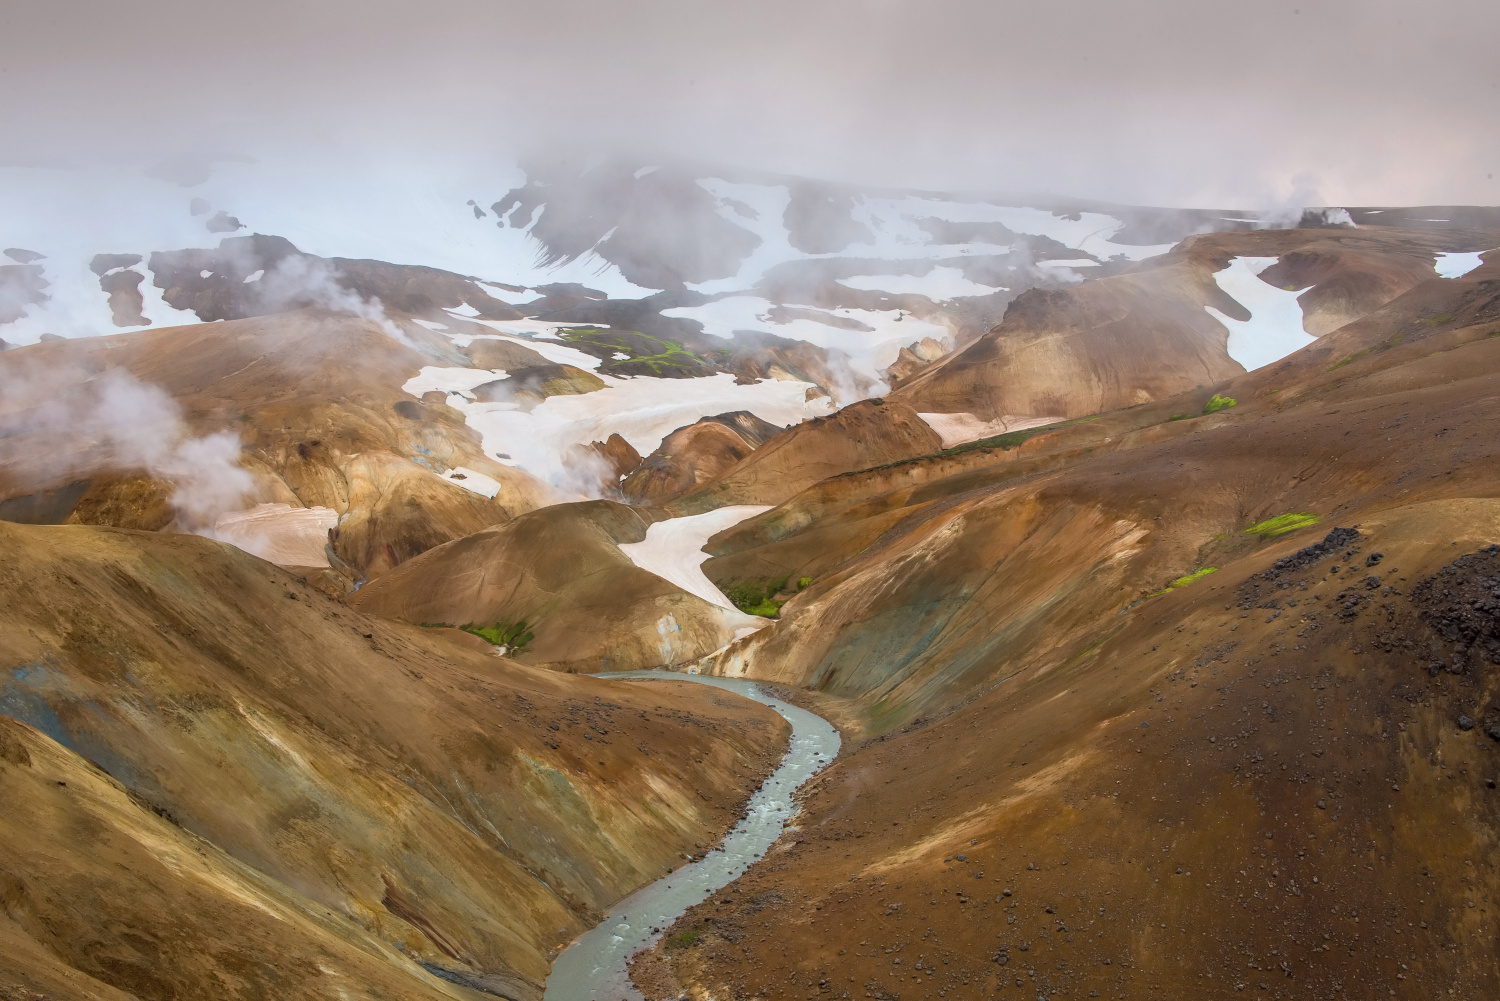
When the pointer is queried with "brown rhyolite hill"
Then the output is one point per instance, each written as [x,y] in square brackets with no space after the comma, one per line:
[692,456]
[867,433]
[1063,775]
[1143,334]
[218,780]
[560,570]
[316,399]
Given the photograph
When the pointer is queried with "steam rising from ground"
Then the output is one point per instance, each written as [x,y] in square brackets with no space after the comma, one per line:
[60,420]
[299,281]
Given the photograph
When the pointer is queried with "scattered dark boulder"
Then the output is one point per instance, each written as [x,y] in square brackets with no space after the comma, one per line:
[1461,605]
[1335,541]
[1465,723]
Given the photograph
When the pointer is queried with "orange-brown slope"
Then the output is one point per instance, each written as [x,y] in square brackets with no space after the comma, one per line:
[911,562]
[1216,799]
[316,400]
[559,570]
[1252,781]
[692,456]
[367,777]
[863,434]
[1144,334]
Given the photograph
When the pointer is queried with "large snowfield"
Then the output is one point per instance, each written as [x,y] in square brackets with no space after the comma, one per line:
[673,549]
[1274,329]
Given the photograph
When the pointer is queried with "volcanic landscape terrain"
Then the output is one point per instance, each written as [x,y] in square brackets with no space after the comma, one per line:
[1148,563]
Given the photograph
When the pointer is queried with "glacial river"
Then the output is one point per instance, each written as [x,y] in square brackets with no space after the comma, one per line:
[593,967]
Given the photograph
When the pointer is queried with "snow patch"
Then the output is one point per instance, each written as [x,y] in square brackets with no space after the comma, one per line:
[279,533]
[870,351]
[959,429]
[673,549]
[642,410]
[1457,265]
[449,380]
[479,483]
[1274,329]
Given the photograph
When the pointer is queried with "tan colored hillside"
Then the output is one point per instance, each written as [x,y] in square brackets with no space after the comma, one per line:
[216,775]
[1072,767]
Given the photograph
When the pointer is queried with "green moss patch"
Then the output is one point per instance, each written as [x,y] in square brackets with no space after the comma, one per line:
[757,597]
[512,635]
[1282,524]
[644,354]
[1217,403]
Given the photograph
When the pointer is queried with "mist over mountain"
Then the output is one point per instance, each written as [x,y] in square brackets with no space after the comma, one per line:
[585,502]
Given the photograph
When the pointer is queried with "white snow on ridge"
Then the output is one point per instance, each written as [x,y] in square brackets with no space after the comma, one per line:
[475,482]
[958,429]
[1457,265]
[379,212]
[938,284]
[1274,329]
[449,380]
[896,230]
[869,351]
[673,549]
[552,350]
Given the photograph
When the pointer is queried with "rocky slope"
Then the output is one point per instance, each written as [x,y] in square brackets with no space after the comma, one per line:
[216,776]
[1084,760]
[1146,333]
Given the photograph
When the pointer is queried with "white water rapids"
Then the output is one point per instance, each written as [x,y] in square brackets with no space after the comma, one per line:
[593,967]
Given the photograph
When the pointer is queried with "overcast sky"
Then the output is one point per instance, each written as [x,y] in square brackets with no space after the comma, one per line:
[1183,102]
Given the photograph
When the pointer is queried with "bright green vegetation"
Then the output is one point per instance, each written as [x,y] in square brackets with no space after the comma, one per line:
[1218,403]
[1009,440]
[802,583]
[684,940]
[758,597]
[1282,524]
[513,635]
[1184,581]
[646,354]
[1187,579]
[1178,417]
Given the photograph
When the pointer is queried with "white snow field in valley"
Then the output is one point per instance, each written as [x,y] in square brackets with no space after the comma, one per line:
[673,549]
[641,409]
[1274,329]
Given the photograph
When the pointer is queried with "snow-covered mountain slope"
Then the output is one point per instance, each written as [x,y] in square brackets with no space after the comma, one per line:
[609,283]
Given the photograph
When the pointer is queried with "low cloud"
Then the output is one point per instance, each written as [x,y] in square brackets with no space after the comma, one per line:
[58,421]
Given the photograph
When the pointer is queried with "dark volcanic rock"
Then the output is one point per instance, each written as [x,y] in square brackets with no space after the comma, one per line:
[1250,592]
[1461,604]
